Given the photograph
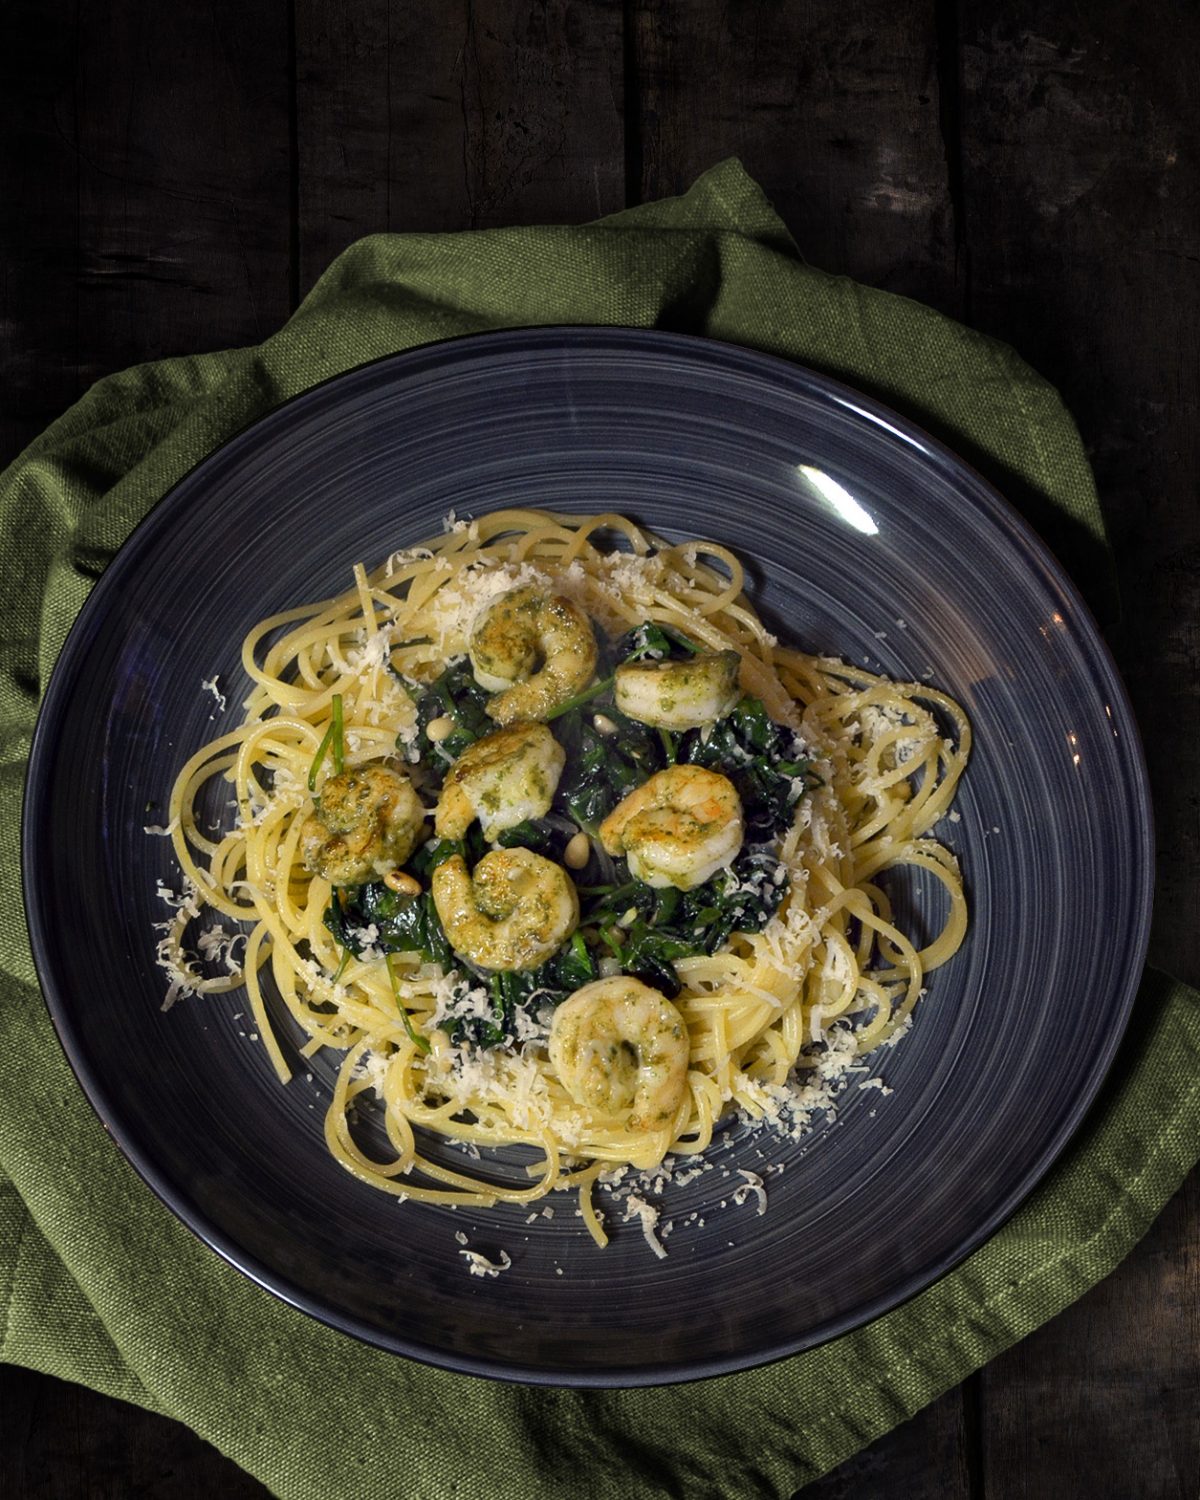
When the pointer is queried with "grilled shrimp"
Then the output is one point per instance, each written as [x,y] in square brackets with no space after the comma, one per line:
[533,651]
[366,821]
[678,828]
[511,912]
[679,694]
[621,1048]
[501,779]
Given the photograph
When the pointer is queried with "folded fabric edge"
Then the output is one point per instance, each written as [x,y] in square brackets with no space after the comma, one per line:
[40,1278]
[975,1335]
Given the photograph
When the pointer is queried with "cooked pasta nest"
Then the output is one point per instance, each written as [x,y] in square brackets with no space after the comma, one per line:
[830,966]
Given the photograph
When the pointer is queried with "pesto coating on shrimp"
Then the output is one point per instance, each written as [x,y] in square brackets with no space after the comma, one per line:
[534,651]
[678,828]
[502,779]
[621,1049]
[511,912]
[365,823]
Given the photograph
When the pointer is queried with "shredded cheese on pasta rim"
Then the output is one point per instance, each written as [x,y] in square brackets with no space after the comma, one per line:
[830,961]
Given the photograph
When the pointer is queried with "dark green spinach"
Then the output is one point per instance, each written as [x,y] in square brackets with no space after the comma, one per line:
[457,696]
[549,984]
[766,761]
[375,916]
[646,929]
[602,768]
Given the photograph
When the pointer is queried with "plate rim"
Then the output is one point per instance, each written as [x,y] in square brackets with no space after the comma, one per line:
[562,340]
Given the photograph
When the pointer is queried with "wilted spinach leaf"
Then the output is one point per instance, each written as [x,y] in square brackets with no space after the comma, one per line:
[402,924]
[767,763]
[454,695]
[566,971]
[646,929]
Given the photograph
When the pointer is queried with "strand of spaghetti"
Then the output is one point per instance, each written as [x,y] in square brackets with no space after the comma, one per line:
[585,1182]
[950,938]
[707,1105]
[258,1008]
[547,539]
[587,526]
[179,802]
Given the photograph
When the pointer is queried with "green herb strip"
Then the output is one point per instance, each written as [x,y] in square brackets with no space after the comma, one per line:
[334,740]
[580,699]
[417,1040]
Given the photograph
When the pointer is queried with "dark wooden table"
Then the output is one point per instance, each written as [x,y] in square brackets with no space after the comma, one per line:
[173,178]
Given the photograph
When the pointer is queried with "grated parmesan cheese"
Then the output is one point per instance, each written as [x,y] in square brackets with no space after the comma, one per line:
[753,1184]
[160,832]
[479,1265]
[217,945]
[638,1208]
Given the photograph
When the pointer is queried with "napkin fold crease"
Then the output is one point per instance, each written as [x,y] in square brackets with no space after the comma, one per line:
[101,1285]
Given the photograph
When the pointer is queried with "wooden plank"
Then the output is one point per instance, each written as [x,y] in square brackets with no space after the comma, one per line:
[1083,213]
[836,109]
[61,1440]
[475,114]
[923,1459]
[1083,236]
[137,220]
[144,191]
[182,134]
[343,125]
[38,177]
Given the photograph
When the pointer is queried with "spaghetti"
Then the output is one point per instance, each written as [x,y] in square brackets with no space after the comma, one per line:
[869,766]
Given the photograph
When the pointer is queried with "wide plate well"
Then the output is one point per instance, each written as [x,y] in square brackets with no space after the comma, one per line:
[863,539]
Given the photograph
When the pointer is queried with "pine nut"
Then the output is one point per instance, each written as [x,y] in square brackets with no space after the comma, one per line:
[603,724]
[439,729]
[402,883]
[578,852]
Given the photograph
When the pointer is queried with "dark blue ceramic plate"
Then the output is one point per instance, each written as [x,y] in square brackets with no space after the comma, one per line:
[865,539]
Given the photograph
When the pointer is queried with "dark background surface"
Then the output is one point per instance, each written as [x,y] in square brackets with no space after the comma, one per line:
[173,178]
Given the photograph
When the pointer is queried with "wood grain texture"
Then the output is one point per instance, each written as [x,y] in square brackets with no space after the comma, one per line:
[342,127]
[1081,139]
[476,114]
[39,170]
[65,1442]
[836,109]
[136,220]
[182,204]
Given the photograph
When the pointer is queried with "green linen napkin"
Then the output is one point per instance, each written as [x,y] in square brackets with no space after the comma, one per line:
[100,1284]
